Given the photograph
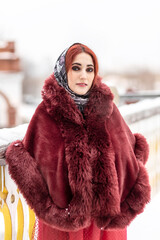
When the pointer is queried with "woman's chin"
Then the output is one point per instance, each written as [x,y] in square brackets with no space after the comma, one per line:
[80,91]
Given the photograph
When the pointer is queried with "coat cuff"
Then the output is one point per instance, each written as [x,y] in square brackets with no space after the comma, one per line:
[134,203]
[24,171]
[141,148]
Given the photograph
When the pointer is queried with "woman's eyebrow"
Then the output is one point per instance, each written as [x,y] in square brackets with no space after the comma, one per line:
[88,65]
[76,64]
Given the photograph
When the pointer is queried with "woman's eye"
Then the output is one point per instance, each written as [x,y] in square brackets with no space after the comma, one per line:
[89,69]
[75,68]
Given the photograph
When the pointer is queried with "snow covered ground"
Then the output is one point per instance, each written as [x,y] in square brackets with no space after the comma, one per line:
[146,226]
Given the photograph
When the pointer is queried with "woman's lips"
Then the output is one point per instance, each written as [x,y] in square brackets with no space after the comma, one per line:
[81,84]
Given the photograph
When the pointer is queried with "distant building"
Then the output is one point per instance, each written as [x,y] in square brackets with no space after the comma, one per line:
[9,61]
[11,77]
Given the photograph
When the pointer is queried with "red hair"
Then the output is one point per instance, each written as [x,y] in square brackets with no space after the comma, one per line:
[76,49]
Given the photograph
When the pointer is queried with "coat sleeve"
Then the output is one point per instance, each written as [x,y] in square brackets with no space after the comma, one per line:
[23,166]
[131,154]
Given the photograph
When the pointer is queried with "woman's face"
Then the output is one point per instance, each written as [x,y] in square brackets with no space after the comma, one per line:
[81,74]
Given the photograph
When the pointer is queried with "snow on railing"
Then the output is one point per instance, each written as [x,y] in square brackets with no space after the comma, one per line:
[16,218]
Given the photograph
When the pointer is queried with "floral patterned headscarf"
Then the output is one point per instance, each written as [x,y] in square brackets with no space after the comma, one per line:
[61,77]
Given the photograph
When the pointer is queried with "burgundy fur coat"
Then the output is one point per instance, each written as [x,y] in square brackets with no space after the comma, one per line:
[74,169]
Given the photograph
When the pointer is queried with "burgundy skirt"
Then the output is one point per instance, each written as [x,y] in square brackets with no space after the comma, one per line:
[45,232]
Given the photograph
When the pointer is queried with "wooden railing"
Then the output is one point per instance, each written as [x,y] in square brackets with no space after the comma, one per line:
[16,218]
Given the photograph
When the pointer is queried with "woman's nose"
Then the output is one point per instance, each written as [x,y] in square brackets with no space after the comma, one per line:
[83,75]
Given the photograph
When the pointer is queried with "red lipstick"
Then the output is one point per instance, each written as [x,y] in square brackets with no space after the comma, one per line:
[81,84]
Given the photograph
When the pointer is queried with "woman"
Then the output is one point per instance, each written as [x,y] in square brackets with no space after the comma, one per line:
[79,166]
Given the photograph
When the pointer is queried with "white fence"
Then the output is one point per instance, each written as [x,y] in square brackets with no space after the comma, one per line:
[144,117]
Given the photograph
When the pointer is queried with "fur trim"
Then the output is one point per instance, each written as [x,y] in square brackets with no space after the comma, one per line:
[22,164]
[141,148]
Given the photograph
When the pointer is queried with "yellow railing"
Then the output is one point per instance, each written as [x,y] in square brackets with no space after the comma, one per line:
[17,219]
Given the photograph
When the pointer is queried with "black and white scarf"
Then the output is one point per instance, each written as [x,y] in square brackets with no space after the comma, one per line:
[61,77]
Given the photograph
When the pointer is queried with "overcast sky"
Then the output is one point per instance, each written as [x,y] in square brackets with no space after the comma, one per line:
[125,34]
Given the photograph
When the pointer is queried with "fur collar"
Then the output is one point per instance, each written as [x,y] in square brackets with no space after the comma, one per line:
[59,103]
